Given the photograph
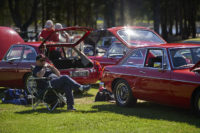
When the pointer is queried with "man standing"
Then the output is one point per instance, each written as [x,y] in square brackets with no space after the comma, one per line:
[64,82]
[48,30]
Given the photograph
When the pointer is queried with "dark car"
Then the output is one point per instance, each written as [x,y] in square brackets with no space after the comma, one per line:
[15,66]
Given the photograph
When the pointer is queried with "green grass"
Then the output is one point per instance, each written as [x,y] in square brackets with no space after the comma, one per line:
[100,117]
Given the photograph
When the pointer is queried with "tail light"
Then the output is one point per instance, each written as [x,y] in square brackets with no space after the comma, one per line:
[98,68]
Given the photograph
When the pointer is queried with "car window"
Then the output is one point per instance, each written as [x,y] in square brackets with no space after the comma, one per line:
[136,58]
[133,37]
[29,54]
[154,58]
[117,50]
[184,57]
[15,53]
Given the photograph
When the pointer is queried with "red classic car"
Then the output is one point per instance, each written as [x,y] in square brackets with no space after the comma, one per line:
[164,73]
[128,37]
[15,66]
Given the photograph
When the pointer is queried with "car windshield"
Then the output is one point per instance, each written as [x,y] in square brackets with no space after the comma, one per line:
[135,37]
[185,57]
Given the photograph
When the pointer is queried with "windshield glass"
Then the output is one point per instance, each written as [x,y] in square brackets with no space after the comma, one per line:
[140,37]
[185,57]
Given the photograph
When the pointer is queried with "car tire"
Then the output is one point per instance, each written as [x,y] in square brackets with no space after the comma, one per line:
[26,78]
[197,103]
[123,94]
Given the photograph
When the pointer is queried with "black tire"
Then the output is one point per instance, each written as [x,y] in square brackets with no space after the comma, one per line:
[123,94]
[26,77]
[197,103]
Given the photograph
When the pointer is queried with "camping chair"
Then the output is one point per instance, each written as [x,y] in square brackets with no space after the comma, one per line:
[40,95]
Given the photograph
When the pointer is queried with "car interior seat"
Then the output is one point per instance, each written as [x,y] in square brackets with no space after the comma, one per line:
[31,56]
[179,61]
[152,60]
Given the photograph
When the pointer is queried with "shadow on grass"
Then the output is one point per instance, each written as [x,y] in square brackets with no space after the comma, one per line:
[81,95]
[42,110]
[153,111]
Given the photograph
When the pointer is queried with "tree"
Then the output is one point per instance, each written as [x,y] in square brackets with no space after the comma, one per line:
[15,6]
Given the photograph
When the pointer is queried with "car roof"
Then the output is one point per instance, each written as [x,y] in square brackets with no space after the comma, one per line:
[133,27]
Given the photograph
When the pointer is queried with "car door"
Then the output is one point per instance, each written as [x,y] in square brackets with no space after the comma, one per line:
[8,66]
[154,78]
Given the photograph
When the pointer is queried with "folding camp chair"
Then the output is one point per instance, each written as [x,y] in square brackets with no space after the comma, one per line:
[40,95]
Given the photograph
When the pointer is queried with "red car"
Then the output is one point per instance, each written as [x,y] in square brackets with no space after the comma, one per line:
[8,37]
[166,74]
[128,37]
[15,66]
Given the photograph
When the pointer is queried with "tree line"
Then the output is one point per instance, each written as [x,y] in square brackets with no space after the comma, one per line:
[166,16]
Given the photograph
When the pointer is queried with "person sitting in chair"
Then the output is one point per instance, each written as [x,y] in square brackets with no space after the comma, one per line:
[62,82]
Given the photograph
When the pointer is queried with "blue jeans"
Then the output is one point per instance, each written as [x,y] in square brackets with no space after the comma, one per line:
[66,84]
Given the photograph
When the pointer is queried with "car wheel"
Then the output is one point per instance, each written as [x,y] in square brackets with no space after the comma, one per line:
[26,79]
[123,94]
[197,103]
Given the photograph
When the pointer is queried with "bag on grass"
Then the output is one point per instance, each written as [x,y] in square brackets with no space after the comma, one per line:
[15,96]
[103,96]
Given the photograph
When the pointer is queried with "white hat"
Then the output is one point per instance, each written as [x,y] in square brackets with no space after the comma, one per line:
[58,26]
[49,24]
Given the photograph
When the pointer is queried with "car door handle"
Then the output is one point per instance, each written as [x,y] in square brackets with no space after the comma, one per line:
[142,72]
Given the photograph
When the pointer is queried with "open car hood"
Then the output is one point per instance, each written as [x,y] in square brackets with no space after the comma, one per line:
[85,30]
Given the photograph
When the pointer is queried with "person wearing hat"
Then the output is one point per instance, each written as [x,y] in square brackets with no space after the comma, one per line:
[63,82]
[48,29]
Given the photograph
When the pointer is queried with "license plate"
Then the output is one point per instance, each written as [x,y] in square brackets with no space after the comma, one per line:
[79,73]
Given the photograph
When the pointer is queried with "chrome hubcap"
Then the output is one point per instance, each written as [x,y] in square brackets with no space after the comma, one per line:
[122,93]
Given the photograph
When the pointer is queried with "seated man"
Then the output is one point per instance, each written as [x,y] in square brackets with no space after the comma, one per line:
[63,82]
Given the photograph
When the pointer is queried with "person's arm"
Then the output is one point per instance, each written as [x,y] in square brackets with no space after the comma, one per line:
[54,70]
[41,72]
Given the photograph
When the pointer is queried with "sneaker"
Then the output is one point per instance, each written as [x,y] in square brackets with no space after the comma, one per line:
[71,108]
[85,88]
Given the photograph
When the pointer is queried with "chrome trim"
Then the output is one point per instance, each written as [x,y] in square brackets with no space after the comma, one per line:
[153,77]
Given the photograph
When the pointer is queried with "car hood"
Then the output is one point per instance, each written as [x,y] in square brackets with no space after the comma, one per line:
[48,43]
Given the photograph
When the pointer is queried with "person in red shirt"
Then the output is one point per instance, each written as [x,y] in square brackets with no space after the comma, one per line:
[48,29]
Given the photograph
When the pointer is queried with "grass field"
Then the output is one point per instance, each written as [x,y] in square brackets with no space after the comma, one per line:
[98,117]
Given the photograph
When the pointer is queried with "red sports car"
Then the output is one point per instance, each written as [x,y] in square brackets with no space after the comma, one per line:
[15,66]
[167,74]
[126,38]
